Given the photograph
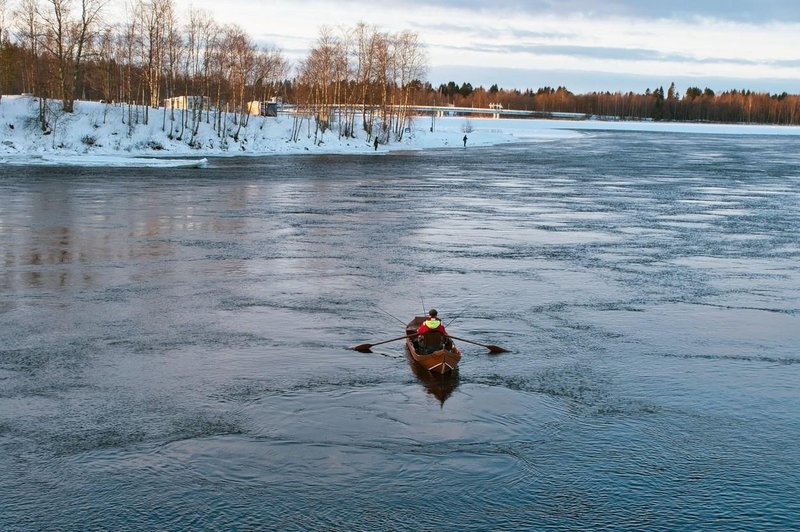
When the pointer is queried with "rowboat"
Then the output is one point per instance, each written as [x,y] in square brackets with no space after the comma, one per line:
[429,350]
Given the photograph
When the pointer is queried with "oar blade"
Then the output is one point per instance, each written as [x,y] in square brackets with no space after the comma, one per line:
[494,349]
[490,347]
[363,348]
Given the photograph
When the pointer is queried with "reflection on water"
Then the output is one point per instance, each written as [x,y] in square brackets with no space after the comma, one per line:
[441,386]
[174,343]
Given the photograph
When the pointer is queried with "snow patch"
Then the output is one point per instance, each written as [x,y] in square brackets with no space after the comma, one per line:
[99,134]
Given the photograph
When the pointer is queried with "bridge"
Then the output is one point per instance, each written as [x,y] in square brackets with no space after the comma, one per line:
[493,111]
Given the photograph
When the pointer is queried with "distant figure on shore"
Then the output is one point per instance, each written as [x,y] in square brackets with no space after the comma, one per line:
[465,141]
[376,143]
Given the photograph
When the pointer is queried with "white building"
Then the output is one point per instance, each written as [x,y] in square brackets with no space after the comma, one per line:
[187,102]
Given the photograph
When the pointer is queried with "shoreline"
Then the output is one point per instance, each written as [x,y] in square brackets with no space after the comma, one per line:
[97,135]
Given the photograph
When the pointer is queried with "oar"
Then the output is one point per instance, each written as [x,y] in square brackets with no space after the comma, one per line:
[365,348]
[491,348]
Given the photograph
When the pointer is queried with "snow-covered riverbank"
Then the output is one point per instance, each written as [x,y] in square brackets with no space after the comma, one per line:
[98,134]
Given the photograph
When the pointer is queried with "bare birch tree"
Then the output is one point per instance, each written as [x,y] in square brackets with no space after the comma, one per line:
[366,43]
[324,71]
[126,52]
[173,51]
[85,31]
[67,36]
[3,41]
[200,31]
[3,29]
[410,64]
[55,18]
[239,52]
[28,30]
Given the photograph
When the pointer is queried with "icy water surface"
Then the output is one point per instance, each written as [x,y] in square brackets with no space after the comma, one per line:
[173,343]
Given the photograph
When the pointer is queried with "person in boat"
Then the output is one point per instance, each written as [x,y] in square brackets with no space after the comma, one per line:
[433,323]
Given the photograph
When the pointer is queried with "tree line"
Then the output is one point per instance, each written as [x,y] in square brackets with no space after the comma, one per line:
[695,104]
[63,51]
[353,77]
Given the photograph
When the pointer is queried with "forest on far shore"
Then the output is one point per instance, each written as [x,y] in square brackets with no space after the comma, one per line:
[65,50]
[693,105]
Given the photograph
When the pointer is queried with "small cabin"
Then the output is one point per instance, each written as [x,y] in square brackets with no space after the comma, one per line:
[187,102]
[263,108]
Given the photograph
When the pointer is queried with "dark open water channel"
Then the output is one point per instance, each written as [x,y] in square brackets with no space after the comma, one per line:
[173,343]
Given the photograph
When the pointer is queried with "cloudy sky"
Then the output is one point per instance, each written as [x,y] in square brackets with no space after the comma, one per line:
[584,45]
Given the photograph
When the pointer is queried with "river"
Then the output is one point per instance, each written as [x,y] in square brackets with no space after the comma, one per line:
[174,343]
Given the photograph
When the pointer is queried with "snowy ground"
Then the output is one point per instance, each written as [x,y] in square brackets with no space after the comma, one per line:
[96,135]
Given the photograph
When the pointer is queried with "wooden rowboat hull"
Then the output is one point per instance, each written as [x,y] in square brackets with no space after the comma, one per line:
[439,362]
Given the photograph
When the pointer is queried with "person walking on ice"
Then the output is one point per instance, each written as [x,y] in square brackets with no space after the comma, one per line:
[465,141]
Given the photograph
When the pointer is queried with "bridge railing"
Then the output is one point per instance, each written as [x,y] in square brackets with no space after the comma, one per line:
[443,110]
